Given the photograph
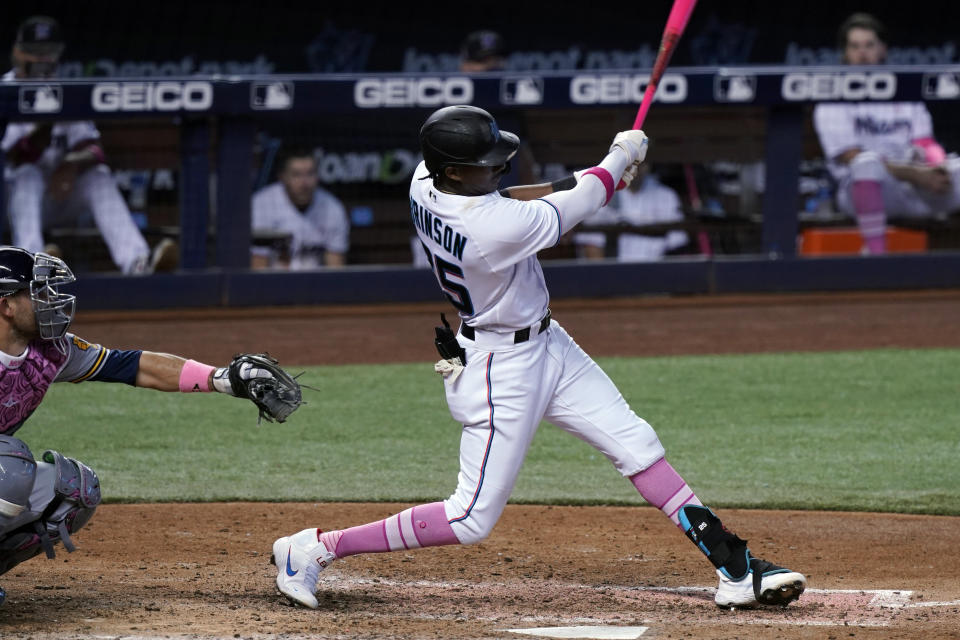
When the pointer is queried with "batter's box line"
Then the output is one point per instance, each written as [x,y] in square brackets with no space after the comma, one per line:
[881,598]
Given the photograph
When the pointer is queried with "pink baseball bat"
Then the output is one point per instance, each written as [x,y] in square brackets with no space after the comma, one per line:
[676,23]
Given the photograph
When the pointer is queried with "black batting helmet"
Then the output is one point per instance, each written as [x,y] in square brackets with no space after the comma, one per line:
[464,135]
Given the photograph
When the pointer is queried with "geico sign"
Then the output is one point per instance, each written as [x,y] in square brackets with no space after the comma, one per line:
[152,96]
[412,92]
[617,89]
[881,85]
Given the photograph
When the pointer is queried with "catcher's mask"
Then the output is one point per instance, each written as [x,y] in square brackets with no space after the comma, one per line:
[464,135]
[42,274]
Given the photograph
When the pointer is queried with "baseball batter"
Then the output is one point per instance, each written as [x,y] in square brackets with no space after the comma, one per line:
[46,501]
[56,173]
[512,365]
[883,155]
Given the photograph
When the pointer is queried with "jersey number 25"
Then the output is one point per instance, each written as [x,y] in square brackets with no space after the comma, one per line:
[456,293]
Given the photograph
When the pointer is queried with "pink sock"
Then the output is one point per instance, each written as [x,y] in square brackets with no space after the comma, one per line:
[867,196]
[662,486]
[422,526]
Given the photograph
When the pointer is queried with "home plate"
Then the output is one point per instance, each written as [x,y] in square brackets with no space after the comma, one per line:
[601,632]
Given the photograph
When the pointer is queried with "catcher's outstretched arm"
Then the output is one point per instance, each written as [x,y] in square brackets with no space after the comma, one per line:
[160,371]
[256,377]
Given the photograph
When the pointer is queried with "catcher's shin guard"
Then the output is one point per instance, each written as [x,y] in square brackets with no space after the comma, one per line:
[65,495]
[727,552]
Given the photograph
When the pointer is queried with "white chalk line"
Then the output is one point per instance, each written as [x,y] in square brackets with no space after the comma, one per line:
[882,598]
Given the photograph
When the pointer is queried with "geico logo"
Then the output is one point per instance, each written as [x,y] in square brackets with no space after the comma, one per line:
[412,92]
[616,89]
[881,85]
[152,96]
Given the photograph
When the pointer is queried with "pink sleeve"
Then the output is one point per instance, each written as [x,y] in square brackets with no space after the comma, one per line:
[933,153]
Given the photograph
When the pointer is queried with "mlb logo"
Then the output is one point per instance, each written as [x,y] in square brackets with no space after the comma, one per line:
[736,88]
[41,99]
[521,90]
[272,96]
[941,86]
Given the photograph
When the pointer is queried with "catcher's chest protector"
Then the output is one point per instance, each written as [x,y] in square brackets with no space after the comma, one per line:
[23,387]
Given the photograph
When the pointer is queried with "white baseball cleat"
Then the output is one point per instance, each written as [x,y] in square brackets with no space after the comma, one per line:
[299,559]
[764,583]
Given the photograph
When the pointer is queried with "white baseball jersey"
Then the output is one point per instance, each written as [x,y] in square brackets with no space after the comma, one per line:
[888,129]
[653,202]
[323,225]
[483,252]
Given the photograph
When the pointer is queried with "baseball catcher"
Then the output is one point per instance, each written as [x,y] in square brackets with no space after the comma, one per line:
[45,500]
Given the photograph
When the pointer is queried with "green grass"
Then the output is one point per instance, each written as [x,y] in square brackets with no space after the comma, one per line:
[869,430]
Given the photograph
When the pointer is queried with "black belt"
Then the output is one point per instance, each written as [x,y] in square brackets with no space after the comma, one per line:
[520,335]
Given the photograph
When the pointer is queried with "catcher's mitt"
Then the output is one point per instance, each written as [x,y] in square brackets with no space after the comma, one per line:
[258,377]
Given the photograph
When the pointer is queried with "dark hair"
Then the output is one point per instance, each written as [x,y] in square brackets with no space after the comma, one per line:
[860,20]
[289,153]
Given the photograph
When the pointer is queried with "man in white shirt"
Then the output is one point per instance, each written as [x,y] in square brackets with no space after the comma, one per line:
[647,201]
[313,219]
[883,155]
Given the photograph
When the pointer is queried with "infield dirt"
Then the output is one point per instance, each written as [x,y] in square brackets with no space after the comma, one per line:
[189,570]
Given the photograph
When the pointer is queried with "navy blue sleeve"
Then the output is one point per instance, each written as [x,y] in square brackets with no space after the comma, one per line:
[119,366]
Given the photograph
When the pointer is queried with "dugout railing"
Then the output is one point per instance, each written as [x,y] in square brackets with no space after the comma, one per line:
[761,111]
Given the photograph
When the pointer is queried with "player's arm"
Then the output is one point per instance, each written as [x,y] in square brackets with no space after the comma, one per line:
[535,191]
[25,142]
[87,361]
[83,155]
[595,186]
[935,179]
[846,157]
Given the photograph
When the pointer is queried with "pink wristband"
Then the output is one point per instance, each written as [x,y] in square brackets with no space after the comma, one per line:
[195,376]
[933,153]
[605,178]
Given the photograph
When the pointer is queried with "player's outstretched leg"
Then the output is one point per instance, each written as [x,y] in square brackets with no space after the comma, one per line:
[745,581]
[301,557]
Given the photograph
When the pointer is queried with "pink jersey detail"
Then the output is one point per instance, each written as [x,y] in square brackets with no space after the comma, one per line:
[933,153]
[195,376]
[605,178]
[23,387]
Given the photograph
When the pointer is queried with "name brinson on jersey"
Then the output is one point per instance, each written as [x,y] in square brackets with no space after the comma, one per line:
[433,227]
